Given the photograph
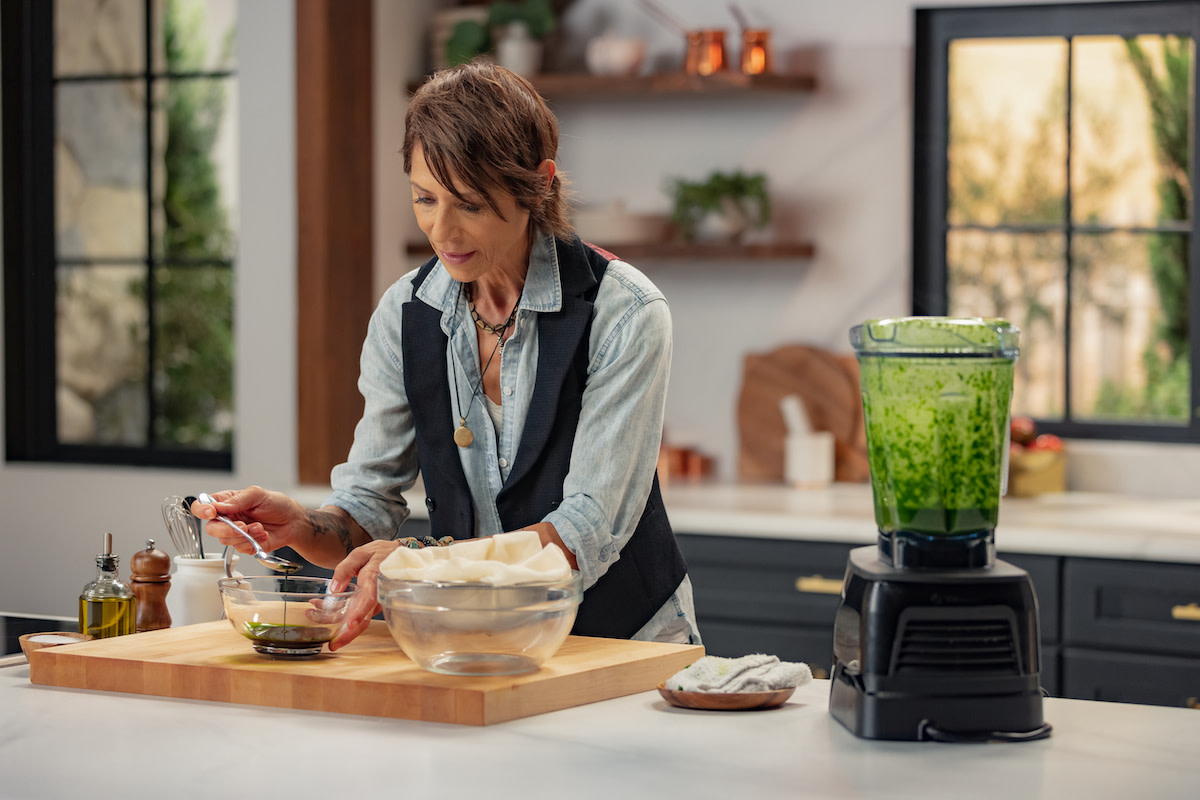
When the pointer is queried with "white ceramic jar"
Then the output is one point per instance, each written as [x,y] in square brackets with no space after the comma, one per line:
[518,51]
[615,55]
[194,596]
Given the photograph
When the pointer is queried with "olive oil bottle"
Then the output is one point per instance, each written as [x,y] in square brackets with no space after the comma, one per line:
[107,607]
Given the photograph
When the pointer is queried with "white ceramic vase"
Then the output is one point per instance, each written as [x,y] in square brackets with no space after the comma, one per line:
[518,51]
[728,224]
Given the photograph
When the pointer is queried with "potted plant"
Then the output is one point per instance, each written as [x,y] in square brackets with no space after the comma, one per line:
[725,205]
[515,31]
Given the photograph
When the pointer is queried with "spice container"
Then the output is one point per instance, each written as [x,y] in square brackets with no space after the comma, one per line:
[756,52]
[705,52]
[150,576]
[107,607]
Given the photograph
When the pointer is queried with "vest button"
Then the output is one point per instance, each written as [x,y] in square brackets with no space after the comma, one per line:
[430,504]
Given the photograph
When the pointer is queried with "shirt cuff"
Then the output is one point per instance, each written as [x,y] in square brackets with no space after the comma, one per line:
[587,532]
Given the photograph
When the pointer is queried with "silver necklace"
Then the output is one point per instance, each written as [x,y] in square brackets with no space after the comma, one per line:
[462,434]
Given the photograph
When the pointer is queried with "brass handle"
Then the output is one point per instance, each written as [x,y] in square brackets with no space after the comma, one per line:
[1190,612]
[819,584]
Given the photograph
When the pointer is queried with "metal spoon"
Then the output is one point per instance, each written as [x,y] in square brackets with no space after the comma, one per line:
[262,556]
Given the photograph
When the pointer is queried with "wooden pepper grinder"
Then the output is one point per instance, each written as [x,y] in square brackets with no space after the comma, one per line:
[151,571]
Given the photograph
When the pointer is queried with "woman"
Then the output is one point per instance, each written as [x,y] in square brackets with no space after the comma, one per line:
[520,371]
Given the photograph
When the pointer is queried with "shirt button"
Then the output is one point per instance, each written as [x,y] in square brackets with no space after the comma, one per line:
[508,391]
[503,463]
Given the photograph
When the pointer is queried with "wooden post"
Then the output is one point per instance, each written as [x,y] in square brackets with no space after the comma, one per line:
[334,76]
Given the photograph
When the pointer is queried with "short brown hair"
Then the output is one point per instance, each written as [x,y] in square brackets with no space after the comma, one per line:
[488,128]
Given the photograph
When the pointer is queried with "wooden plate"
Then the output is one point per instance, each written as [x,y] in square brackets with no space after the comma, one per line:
[718,701]
[36,641]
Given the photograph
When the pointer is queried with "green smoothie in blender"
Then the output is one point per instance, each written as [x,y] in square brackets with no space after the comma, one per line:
[936,393]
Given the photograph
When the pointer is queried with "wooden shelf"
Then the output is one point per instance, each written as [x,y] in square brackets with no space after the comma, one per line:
[570,86]
[566,86]
[682,251]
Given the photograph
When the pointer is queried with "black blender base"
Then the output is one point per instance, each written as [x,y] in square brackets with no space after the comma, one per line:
[916,718]
[936,654]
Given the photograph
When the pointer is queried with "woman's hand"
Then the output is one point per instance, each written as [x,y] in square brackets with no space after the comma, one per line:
[364,562]
[548,534]
[272,518]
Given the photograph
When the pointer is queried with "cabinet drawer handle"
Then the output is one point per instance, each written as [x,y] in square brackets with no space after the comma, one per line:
[819,584]
[1190,612]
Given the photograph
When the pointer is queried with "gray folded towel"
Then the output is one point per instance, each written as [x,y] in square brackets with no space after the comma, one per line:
[752,673]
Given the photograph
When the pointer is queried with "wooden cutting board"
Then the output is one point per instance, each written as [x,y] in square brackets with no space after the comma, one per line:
[370,676]
[827,384]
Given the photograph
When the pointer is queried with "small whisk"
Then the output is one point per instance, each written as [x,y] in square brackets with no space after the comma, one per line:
[195,525]
[178,519]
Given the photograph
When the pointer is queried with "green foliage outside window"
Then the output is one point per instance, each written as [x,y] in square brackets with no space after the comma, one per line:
[193,358]
[978,194]
[1167,394]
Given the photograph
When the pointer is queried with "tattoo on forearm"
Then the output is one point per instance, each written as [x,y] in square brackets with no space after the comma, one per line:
[323,522]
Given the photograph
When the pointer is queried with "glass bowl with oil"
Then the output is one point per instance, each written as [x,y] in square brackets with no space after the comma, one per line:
[285,616]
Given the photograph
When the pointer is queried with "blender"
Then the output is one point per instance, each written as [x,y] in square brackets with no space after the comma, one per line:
[935,638]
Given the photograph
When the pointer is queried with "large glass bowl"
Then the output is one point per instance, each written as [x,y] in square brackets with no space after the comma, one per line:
[285,617]
[477,628]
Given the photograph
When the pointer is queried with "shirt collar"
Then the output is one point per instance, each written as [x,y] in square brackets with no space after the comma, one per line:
[542,292]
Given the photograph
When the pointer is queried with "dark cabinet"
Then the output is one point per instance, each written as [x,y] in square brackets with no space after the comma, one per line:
[1131,677]
[766,596]
[1131,631]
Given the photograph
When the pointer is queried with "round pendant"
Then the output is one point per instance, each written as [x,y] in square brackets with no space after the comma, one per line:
[463,436]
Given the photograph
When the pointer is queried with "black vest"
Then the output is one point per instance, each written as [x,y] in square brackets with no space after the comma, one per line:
[650,567]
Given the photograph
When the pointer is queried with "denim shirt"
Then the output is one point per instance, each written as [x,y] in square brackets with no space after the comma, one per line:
[616,443]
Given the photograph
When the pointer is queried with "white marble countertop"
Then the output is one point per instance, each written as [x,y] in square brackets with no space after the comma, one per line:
[57,743]
[1070,523]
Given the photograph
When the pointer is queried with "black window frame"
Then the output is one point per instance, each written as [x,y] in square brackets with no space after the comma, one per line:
[28,82]
[933,30]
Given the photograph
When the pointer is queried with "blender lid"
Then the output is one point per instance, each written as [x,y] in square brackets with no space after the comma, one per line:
[932,336]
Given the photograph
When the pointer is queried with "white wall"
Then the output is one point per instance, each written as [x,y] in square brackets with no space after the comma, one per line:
[838,161]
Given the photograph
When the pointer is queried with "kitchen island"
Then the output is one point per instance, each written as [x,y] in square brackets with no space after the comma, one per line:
[60,743]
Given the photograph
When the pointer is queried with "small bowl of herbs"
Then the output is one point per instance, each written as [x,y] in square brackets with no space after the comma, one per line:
[285,616]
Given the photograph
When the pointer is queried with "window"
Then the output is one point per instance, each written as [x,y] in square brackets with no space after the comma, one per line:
[1052,186]
[119,161]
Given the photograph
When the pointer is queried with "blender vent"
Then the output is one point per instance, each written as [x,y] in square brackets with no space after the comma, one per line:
[981,646]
